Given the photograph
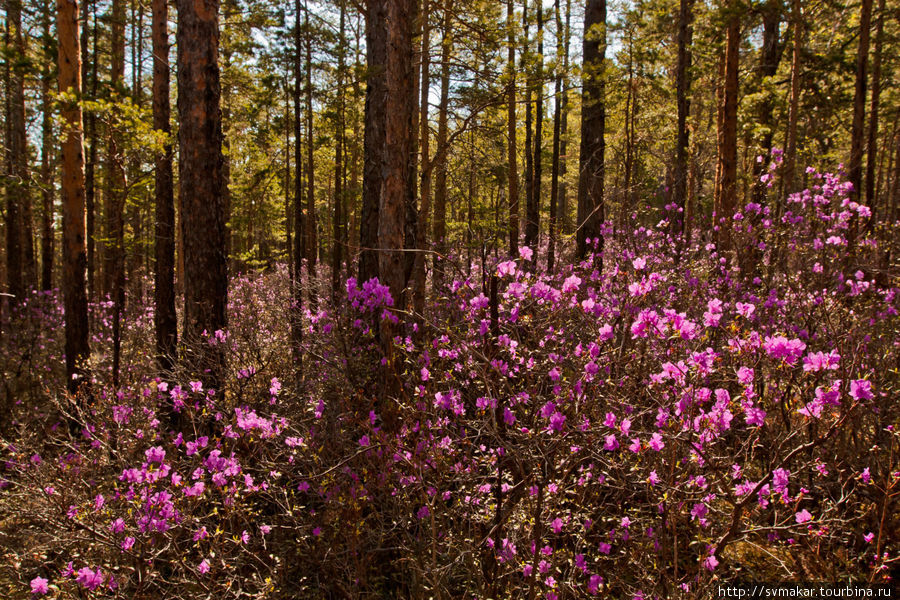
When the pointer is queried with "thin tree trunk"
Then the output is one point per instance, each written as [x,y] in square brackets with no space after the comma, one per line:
[859,101]
[533,225]
[557,114]
[565,222]
[593,123]
[440,167]
[769,60]
[426,170]
[47,164]
[790,153]
[872,152]
[73,201]
[311,237]
[91,134]
[296,311]
[201,182]
[164,274]
[527,68]
[683,103]
[513,198]
[338,223]
[17,164]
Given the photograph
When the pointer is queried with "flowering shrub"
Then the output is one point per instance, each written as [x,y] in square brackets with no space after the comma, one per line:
[648,430]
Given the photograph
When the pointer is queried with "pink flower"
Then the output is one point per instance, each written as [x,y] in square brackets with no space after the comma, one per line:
[203,567]
[803,516]
[656,442]
[639,264]
[89,579]
[526,253]
[39,586]
[861,389]
[556,525]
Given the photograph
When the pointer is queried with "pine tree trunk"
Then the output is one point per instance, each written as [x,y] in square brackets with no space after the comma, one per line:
[554,166]
[769,60]
[339,219]
[398,146]
[872,145]
[17,165]
[374,139]
[593,124]
[857,132]
[426,170]
[513,197]
[201,182]
[312,248]
[47,164]
[73,201]
[790,152]
[440,167]
[164,273]
[683,103]
[726,186]
[533,225]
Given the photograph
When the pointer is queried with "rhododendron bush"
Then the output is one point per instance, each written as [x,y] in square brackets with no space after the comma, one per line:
[651,422]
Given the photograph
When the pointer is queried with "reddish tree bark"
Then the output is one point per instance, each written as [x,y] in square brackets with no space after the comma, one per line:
[165,320]
[73,201]
[201,182]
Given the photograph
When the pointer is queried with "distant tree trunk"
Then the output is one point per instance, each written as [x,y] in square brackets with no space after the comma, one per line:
[565,223]
[311,234]
[374,138]
[73,208]
[115,191]
[91,134]
[769,59]
[872,145]
[533,225]
[528,70]
[18,176]
[683,103]
[440,167]
[201,183]
[726,186]
[593,124]
[426,170]
[164,274]
[398,144]
[557,114]
[790,152]
[511,132]
[859,99]
[47,163]
[288,210]
[296,310]
[339,218]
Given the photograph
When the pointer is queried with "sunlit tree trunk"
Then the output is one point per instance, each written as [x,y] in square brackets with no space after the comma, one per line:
[872,144]
[73,202]
[440,167]
[683,104]
[513,197]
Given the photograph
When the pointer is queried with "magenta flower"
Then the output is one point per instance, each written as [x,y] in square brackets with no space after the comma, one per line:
[203,567]
[89,579]
[803,516]
[39,586]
